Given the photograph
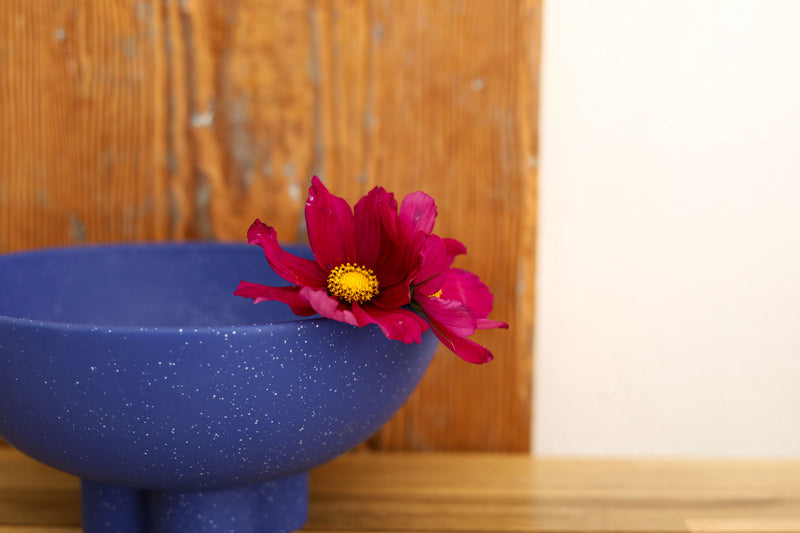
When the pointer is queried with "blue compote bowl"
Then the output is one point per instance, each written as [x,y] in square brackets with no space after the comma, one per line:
[181,407]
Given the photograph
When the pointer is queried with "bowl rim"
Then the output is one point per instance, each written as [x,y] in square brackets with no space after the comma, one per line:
[10,320]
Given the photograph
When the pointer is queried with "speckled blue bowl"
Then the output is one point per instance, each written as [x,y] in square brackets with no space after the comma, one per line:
[182,407]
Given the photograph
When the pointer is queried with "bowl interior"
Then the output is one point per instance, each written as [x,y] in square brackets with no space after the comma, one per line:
[183,285]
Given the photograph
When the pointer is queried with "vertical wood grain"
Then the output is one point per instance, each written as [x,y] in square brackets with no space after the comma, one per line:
[244,122]
[76,113]
[138,120]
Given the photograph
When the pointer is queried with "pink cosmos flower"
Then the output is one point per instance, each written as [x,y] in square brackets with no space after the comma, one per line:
[375,264]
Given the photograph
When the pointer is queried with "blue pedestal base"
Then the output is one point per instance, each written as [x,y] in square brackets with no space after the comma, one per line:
[279,506]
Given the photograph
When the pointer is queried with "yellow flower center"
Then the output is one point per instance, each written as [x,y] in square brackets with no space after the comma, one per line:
[353,283]
[437,294]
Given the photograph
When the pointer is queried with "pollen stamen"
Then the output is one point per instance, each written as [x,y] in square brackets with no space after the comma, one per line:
[353,283]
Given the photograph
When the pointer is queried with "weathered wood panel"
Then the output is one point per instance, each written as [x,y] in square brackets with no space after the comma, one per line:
[77,113]
[136,120]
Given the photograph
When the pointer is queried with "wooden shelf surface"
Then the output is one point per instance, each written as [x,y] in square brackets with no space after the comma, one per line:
[477,493]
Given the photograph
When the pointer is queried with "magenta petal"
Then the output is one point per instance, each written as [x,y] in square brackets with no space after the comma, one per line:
[328,306]
[452,314]
[419,211]
[469,351]
[454,248]
[468,289]
[485,323]
[393,296]
[397,247]
[288,295]
[433,266]
[367,214]
[330,225]
[297,270]
[397,324]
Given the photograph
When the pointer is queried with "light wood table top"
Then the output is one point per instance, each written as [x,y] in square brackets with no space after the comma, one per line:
[434,493]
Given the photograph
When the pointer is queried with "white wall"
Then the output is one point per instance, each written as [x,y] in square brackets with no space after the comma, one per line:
[668,305]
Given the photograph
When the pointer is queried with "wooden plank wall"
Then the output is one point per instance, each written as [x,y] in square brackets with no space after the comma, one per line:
[150,120]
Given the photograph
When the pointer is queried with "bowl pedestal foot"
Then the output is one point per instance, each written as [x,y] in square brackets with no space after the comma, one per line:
[279,506]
